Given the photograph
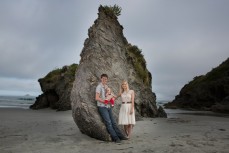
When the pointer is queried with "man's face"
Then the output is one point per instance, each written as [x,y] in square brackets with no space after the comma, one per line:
[104,80]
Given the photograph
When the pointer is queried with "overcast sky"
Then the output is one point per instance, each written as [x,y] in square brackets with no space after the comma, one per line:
[180,39]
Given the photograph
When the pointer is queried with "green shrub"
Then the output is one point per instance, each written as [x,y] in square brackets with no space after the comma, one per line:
[68,71]
[216,73]
[138,60]
[71,71]
[52,75]
[221,71]
[115,10]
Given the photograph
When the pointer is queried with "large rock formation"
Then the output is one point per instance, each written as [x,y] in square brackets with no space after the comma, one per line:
[107,51]
[56,87]
[206,92]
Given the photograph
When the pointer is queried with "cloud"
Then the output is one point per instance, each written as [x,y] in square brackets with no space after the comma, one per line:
[180,39]
[17,86]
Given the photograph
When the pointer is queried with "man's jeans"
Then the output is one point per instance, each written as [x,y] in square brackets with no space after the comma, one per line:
[112,128]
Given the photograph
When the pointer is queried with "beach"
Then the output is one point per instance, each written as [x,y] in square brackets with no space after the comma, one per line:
[49,131]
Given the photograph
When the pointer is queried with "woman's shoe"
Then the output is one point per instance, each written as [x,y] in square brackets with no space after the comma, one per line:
[126,132]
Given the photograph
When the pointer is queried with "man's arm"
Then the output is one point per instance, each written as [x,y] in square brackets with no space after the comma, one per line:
[132,102]
[97,97]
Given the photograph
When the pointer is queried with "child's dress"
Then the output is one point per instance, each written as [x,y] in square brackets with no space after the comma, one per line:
[109,98]
[125,117]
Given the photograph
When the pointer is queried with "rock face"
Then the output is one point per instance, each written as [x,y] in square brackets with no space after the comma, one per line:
[107,51]
[207,92]
[56,87]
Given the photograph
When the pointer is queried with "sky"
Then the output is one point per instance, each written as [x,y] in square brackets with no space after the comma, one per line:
[180,39]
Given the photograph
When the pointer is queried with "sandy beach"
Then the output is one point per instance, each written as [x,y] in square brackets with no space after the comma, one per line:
[48,131]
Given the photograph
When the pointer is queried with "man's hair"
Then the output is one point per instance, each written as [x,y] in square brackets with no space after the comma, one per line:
[104,75]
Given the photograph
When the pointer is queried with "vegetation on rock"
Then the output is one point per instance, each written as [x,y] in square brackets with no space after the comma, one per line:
[112,10]
[56,73]
[56,87]
[136,57]
[206,92]
[216,73]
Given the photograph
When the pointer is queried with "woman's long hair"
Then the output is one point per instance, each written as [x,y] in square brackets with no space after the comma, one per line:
[121,89]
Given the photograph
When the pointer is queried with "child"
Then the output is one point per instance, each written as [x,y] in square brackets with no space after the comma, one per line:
[110,97]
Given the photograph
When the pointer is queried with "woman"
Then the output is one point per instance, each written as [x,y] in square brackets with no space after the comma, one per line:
[126,114]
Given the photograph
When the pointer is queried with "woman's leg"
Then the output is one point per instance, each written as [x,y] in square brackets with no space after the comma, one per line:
[126,130]
[129,127]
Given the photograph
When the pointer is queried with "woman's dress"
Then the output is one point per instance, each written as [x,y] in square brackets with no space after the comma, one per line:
[125,117]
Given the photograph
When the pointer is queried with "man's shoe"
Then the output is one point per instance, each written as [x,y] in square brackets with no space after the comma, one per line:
[124,138]
[117,141]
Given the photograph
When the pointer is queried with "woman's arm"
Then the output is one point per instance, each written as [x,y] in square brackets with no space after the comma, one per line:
[117,96]
[132,102]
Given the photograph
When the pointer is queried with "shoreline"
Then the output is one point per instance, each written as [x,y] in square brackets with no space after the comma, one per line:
[195,112]
[46,130]
[170,112]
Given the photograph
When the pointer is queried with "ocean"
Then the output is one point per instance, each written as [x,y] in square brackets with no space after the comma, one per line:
[27,100]
[17,101]
[161,102]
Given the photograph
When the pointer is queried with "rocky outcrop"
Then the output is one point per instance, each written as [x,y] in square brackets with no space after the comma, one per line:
[107,51]
[161,112]
[56,87]
[206,92]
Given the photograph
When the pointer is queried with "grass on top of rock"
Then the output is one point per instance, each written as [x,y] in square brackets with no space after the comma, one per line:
[216,73]
[71,72]
[112,10]
[138,60]
[55,74]
[221,71]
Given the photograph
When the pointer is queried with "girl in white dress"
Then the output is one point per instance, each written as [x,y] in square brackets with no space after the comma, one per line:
[126,113]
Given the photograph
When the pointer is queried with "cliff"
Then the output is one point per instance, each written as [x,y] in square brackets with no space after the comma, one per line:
[206,92]
[108,51]
[56,87]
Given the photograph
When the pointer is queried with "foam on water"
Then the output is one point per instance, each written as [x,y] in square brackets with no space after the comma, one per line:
[16,101]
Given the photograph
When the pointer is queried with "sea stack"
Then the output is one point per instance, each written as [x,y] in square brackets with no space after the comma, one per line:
[108,51]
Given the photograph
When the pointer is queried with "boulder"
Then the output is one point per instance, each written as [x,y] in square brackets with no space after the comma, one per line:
[161,112]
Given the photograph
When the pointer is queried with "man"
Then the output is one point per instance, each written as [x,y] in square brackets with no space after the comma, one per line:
[106,111]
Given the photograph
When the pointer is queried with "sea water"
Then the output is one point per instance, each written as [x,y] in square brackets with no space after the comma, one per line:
[161,102]
[27,100]
[16,101]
